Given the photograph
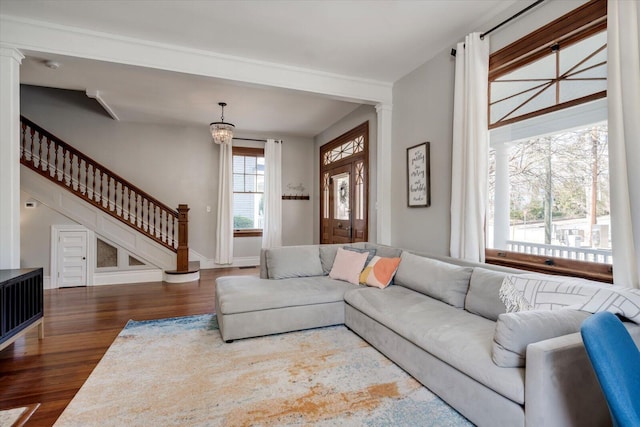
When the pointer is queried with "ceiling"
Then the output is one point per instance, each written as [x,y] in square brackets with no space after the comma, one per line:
[362,39]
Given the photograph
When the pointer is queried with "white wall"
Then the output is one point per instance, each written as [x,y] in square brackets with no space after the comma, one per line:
[423,111]
[176,164]
[350,121]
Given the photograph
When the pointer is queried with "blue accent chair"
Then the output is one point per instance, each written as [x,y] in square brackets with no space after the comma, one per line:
[616,361]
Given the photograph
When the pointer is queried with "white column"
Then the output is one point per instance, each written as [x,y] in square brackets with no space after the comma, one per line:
[383,173]
[10,60]
[501,213]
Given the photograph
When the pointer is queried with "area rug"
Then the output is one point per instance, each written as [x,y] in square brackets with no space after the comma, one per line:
[17,417]
[179,372]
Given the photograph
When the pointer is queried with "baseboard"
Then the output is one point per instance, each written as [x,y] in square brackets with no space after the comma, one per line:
[248,261]
[205,262]
[127,276]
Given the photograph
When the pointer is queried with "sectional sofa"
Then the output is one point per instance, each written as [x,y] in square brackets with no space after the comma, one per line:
[442,321]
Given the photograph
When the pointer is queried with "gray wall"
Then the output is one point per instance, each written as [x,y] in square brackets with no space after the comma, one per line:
[350,121]
[35,233]
[423,111]
[176,164]
[297,215]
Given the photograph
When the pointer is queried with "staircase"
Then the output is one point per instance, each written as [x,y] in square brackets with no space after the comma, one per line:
[68,168]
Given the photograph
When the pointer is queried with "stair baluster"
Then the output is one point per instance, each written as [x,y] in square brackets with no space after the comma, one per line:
[33,132]
[57,161]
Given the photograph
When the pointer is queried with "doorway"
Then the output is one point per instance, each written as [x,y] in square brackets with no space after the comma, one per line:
[344,187]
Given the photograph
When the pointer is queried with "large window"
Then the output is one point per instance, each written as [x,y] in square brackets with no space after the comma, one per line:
[549,166]
[248,191]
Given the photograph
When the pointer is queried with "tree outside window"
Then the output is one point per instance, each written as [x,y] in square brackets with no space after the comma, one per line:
[559,190]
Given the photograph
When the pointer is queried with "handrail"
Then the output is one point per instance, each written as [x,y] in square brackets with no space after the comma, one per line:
[61,163]
[117,177]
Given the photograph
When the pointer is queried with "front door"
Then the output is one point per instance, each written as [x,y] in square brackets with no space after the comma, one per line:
[340,201]
[344,187]
[72,258]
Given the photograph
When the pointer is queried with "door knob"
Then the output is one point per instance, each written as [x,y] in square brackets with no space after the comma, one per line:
[84,258]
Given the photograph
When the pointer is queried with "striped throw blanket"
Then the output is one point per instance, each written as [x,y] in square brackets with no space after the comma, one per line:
[521,292]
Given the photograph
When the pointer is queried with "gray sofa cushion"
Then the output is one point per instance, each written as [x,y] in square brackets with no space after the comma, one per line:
[327,256]
[483,296]
[370,252]
[515,331]
[294,261]
[241,294]
[440,280]
[457,337]
[384,250]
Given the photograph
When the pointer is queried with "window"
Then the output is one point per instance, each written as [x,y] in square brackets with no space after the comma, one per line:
[549,166]
[248,191]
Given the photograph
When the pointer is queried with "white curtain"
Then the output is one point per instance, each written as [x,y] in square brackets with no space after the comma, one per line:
[623,95]
[224,226]
[272,229]
[470,156]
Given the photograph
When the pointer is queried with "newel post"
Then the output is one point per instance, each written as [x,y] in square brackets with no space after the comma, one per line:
[183,238]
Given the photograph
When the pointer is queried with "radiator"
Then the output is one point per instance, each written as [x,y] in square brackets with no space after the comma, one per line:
[21,302]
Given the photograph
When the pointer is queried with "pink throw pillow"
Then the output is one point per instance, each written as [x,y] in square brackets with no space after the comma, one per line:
[348,265]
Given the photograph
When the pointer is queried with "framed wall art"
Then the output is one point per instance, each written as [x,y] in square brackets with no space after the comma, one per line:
[418,176]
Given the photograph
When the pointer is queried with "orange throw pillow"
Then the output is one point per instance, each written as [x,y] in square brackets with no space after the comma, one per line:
[379,272]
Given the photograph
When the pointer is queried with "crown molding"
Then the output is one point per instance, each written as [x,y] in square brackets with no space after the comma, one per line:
[11,52]
[37,36]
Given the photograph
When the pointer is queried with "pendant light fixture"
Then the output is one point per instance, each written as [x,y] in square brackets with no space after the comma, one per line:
[222,132]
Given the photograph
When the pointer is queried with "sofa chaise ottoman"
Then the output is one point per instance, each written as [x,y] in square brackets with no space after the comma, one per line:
[292,293]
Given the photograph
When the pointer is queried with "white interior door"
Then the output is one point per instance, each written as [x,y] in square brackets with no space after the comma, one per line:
[72,258]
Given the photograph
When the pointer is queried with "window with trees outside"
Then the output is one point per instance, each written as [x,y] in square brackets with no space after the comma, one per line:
[549,166]
[248,191]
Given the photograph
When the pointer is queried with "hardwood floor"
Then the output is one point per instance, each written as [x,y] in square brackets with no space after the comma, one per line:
[80,325]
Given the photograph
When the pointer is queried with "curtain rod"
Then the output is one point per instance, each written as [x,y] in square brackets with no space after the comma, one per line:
[256,140]
[506,21]
[249,139]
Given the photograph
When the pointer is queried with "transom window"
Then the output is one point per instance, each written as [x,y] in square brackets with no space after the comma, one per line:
[566,76]
[248,191]
[342,151]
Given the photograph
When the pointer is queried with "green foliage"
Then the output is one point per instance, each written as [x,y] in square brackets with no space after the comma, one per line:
[240,222]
